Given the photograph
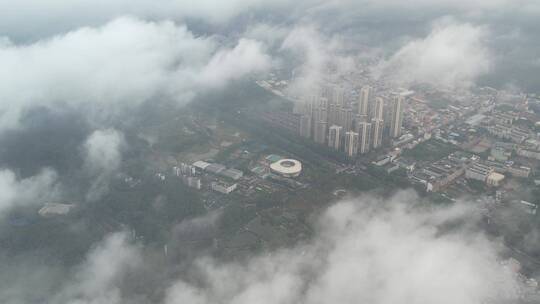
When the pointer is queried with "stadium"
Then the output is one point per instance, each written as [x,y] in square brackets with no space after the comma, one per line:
[287,167]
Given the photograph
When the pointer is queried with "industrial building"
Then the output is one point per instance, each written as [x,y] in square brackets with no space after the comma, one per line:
[478,171]
[232,173]
[442,173]
[223,187]
[201,165]
[215,168]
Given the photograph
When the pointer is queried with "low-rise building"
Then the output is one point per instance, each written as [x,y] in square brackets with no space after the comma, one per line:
[515,134]
[517,171]
[232,173]
[520,171]
[478,171]
[528,153]
[494,179]
[402,140]
[405,163]
[390,167]
[223,187]
[52,209]
[382,160]
[526,206]
[200,165]
[442,173]
[215,168]
[419,177]
[504,118]
[500,153]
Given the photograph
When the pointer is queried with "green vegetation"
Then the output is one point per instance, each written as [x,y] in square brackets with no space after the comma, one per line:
[56,237]
[430,150]
[277,138]
[536,194]
[151,208]
[180,143]
[354,182]
[243,115]
[438,199]
[397,178]
[234,217]
[476,185]
[225,153]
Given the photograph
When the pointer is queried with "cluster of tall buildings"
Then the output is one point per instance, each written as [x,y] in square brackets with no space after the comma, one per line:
[350,125]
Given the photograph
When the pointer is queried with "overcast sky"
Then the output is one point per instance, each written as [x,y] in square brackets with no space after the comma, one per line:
[54,53]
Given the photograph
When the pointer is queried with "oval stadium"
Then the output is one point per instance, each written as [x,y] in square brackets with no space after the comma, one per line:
[287,167]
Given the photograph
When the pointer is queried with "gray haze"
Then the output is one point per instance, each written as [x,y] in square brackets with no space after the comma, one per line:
[366,249]
[102,158]
[72,73]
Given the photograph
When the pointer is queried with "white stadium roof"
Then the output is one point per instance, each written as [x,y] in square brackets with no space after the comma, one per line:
[287,167]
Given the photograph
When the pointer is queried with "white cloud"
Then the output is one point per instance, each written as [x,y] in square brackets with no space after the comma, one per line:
[364,251]
[271,35]
[231,64]
[453,55]
[317,55]
[35,190]
[102,158]
[96,280]
[205,222]
[121,64]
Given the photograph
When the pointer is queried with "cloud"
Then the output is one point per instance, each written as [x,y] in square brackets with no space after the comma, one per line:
[317,55]
[102,158]
[272,35]
[121,64]
[231,64]
[35,190]
[365,251]
[92,13]
[199,225]
[448,4]
[97,280]
[453,55]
